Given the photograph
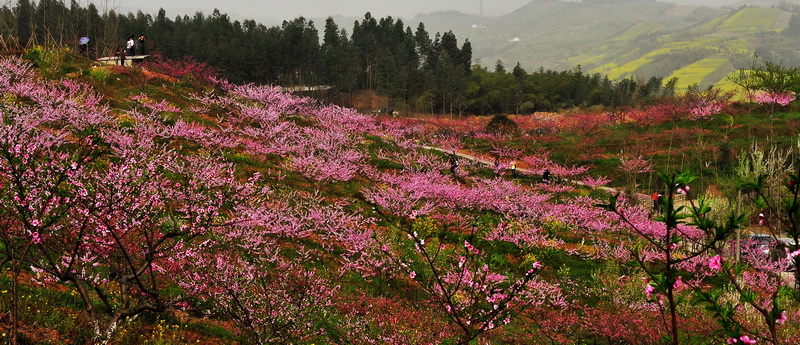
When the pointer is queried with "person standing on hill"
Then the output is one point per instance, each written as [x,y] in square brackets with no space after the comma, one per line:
[140,45]
[120,53]
[513,168]
[454,164]
[131,46]
[655,201]
[83,46]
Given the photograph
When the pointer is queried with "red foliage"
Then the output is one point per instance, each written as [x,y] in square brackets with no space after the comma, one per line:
[544,326]
[187,66]
[584,124]
[386,320]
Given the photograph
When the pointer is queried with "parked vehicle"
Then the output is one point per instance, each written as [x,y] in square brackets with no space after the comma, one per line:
[764,245]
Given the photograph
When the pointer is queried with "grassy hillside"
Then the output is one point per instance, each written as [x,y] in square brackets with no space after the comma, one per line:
[699,45]
[703,54]
[264,217]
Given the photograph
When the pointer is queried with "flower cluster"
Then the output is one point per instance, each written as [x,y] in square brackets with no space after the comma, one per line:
[781,98]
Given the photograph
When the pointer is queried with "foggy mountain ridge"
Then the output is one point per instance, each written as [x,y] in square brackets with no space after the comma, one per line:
[271,16]
[700,42]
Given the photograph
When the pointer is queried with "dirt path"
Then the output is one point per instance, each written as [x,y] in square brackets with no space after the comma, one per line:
[521,170]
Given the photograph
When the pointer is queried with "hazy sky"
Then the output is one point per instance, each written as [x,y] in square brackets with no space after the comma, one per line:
[283,9]
[274,11]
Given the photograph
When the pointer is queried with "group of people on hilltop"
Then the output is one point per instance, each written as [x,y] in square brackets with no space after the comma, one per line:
[133,46]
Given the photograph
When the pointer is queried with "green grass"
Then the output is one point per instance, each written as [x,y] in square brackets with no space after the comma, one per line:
[628,68]
[709,26]
[100,74]
[638,30]
[45,308]
[697,72]
[751,19]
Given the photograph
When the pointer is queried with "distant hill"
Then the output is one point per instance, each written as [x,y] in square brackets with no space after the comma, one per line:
[699,45]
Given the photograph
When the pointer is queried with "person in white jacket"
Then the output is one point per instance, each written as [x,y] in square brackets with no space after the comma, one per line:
[131,45]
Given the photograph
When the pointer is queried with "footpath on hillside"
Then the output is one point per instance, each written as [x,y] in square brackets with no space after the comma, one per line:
[521,170]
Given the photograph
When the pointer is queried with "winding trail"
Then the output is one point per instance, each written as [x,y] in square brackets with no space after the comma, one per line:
[521,170]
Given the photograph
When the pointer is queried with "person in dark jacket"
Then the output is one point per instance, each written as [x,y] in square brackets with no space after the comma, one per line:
[120,53]
[140,46]
[454,164]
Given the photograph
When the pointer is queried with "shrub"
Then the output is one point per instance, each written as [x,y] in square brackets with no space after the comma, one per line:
[50,61]
[187,67]
[100,74]
[501,124]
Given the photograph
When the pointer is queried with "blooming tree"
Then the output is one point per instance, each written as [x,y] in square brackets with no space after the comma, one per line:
[704,104]
[456,271]
[273,299]
[780,98]
[670,242]
[48,135]
[632,167]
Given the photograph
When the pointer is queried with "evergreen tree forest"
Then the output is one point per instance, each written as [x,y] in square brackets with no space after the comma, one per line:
[415,70]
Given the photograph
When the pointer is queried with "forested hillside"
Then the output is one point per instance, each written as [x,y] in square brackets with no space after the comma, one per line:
[414,70]
[613,48]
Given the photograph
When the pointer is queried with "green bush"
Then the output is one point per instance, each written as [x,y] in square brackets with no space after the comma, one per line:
[50,61]
[501,124]
[101,74]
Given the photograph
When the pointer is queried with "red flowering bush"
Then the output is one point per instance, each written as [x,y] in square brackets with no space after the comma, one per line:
[187,66]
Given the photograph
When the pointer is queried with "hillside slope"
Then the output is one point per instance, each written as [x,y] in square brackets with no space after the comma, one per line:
[262,217]
[699,45]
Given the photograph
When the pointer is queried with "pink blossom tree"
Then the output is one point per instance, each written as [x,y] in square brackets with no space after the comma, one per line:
[670,241]
[704,104]
[271,298]
[785,211]
[460,281]
[780,98]
[48,136]
[632,167]
[771,99]
[259,272]
[769,83]
[138,218]
[107,209]
[759,292]
[736,295]
[39,186]
[458,276]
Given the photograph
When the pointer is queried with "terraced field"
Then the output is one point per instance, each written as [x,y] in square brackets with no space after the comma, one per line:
[703,55]
[699,45]
[755,19]
[698,72]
